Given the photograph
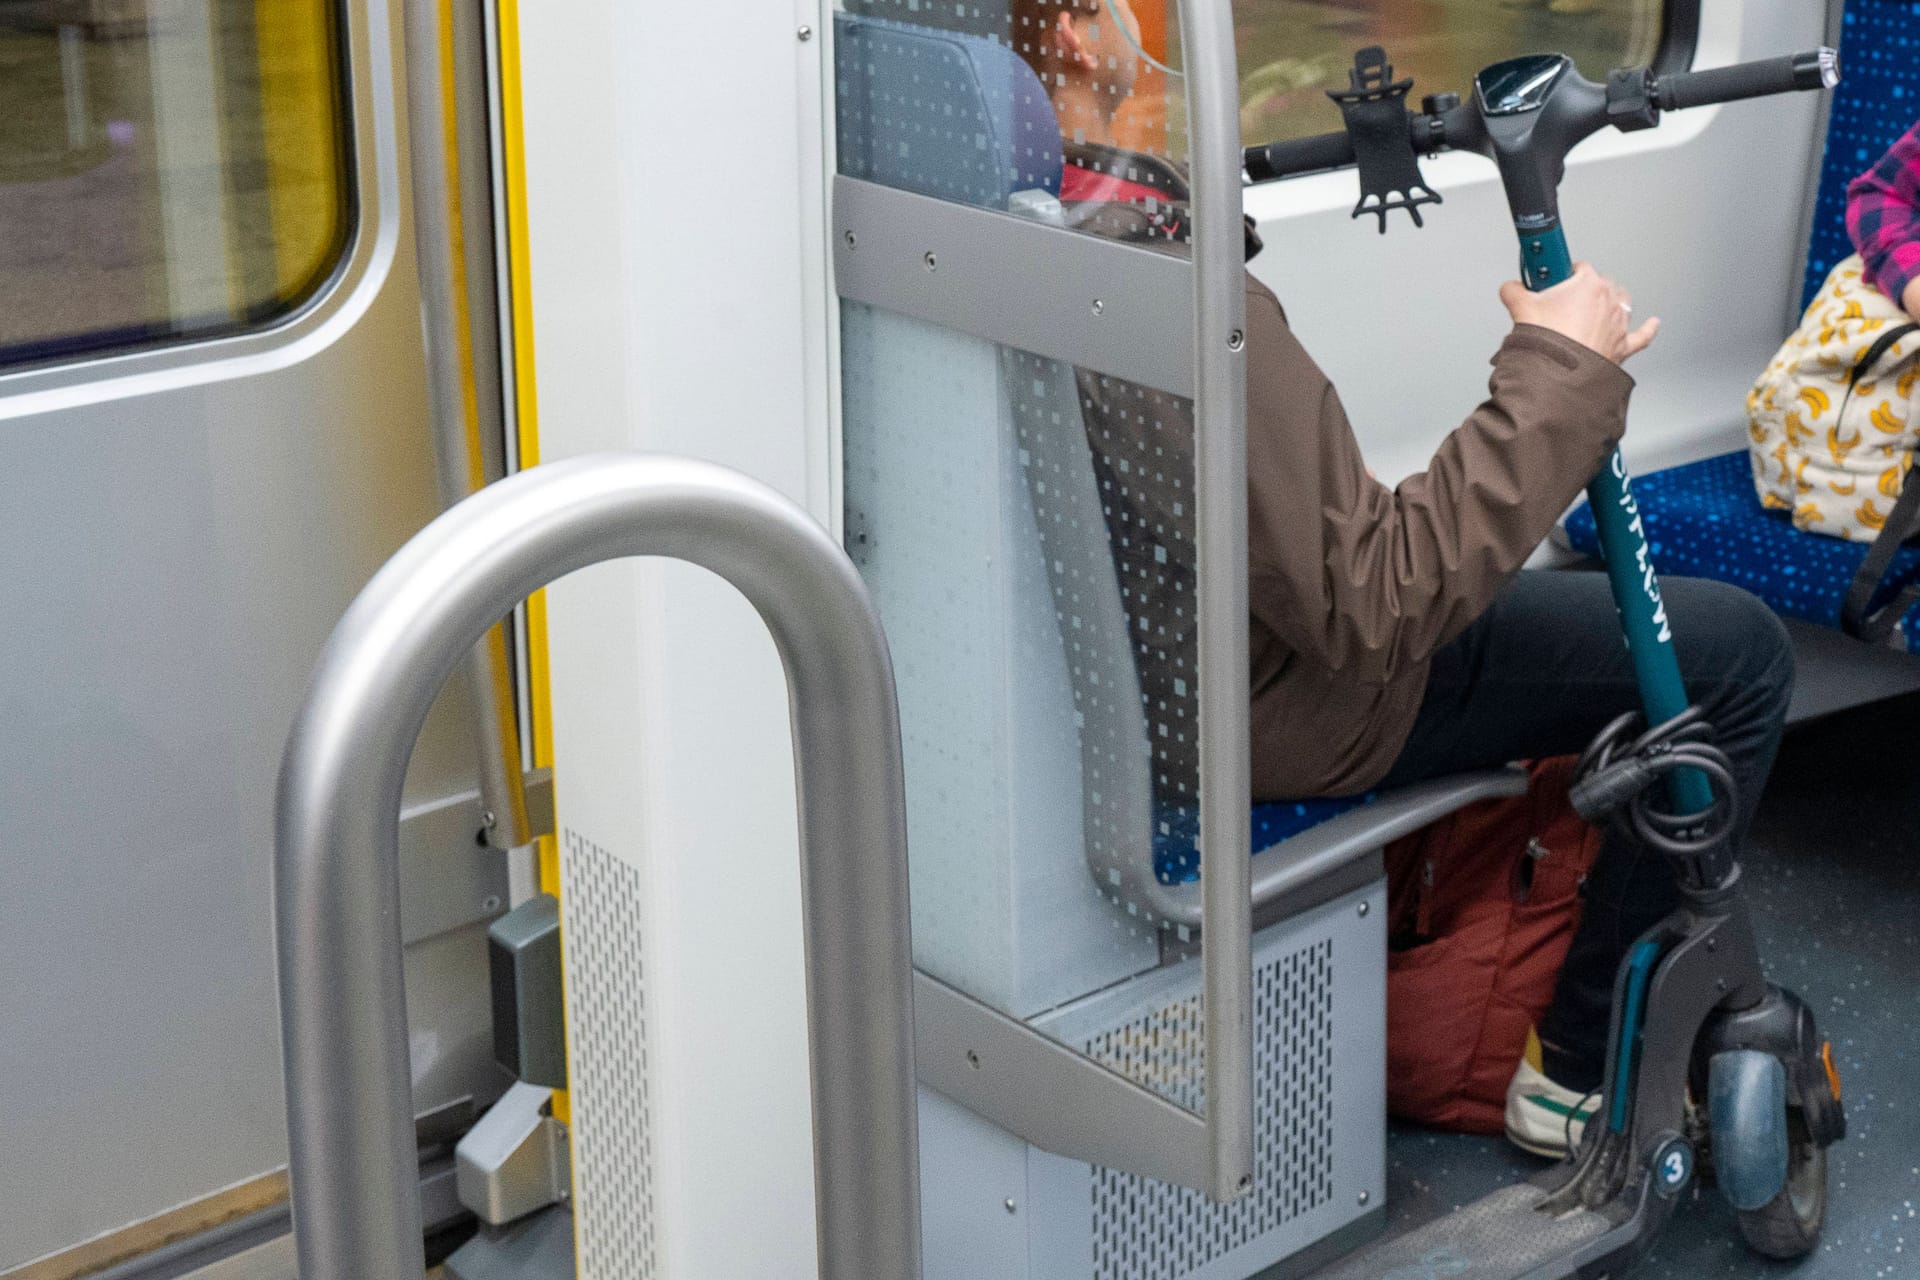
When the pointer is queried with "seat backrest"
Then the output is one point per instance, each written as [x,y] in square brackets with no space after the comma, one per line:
[986,19]
[1076,541]
[974,514]
[1877,100]
[941,114]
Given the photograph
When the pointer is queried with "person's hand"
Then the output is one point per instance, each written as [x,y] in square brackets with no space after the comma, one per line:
[1910,298]
[1589,308]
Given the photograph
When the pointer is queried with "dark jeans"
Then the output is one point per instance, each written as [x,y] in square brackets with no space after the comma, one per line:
[1538,675]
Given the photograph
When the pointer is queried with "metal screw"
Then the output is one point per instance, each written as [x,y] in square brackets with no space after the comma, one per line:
[1366,1198]
[1098,306]
[490,821]
[1365,907]
[1236,340]
[1011,1206]
[852,242]
[933,263]
[973,1060]
[805,34]
[492,904]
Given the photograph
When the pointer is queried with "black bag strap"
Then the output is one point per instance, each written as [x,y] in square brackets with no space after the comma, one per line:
[1902,524]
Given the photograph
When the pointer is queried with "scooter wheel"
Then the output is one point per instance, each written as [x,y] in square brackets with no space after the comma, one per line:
[1788,1226]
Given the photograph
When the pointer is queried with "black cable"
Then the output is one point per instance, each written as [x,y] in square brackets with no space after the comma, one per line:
[1578,1107]
[1619,773]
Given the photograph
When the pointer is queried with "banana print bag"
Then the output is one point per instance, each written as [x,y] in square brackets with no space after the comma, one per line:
[1833,420]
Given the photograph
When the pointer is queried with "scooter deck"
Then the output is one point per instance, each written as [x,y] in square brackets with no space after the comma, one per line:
[1501,1237]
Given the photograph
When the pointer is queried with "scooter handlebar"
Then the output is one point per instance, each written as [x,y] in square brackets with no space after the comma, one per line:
[1301,155]
[1815,69]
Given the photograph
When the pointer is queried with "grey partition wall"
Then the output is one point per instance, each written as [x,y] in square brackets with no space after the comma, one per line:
[1044,433]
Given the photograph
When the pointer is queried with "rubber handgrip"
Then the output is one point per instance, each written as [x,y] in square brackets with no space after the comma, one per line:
[1817,69]
[1302,155]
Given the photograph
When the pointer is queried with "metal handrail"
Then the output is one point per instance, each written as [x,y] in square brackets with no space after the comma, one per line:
[336,890]
[463,464]
[1220,454]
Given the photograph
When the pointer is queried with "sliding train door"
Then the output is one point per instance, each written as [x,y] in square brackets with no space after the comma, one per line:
[214,425]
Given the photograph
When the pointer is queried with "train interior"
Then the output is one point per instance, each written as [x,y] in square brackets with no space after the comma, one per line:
[631,634]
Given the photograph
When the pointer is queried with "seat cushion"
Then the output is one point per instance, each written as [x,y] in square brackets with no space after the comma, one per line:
[1176,861]
[1703,521]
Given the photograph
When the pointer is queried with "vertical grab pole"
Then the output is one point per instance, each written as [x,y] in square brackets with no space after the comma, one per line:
[1545,262]
[1220,417]
[356,1207]
[462,460]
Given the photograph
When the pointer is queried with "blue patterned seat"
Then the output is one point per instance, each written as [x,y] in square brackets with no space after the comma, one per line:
[1175,860]
[1703,519]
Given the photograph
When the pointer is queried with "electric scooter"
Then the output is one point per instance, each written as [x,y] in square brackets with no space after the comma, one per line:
[1708,1063]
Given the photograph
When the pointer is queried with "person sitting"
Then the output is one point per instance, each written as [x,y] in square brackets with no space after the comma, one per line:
[1394,634]
[1883,218]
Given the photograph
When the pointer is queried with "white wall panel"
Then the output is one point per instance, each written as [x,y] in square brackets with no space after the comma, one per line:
[676,200]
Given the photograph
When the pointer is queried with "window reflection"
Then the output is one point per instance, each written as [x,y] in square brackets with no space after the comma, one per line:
[168,168]
[1293,51]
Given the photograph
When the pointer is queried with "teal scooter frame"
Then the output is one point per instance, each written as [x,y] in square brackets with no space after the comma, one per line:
[1705,1057]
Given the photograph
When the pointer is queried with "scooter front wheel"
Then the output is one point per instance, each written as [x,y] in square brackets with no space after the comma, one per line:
[1788,1226]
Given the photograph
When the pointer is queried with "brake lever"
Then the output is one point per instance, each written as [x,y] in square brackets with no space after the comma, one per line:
[1374,106]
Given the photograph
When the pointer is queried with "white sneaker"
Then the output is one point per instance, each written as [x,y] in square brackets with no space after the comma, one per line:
[1543,1117]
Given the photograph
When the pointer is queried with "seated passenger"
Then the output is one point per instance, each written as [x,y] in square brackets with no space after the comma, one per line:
[1883,217]
[1394,636]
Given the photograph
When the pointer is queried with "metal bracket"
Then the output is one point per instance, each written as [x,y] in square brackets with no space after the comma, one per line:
[516,1160]
[1041,1090]
[958,267]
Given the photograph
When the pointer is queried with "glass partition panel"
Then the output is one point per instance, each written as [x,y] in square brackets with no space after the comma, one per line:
[1080,117]
[1028,529]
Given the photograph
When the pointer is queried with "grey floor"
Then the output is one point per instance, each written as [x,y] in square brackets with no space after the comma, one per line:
[1835,882]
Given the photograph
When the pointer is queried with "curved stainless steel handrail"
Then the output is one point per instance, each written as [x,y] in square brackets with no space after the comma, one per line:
[336,885]
[1220,448]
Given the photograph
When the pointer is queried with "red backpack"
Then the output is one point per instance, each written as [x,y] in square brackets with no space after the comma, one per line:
[1481,910]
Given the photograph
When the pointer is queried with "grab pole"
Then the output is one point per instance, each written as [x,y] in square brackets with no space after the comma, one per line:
[1220,457]
[356,1208]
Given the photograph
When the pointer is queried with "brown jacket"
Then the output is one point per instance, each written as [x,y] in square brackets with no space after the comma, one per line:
[1353,585]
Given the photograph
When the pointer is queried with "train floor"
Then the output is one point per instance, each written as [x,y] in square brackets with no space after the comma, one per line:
[1835,886]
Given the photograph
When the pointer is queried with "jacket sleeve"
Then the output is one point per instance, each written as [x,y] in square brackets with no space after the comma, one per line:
[1883,217]
[1366,580]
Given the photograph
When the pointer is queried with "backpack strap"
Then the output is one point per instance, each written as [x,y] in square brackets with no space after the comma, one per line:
[1902,524]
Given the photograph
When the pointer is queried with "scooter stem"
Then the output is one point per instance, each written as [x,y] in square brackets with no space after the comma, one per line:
[1546,262]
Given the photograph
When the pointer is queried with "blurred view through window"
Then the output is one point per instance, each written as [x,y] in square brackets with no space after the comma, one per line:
[168,168]
[1293,51]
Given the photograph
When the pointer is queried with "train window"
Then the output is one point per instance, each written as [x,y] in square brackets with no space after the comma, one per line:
[169,169]
[1293,51]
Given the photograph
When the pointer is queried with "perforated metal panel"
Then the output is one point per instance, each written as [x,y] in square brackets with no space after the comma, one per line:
[607,1062]
[1320,1138]
[1147,1228]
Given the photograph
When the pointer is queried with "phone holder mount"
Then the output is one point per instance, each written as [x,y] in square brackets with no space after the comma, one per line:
[1374,106]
